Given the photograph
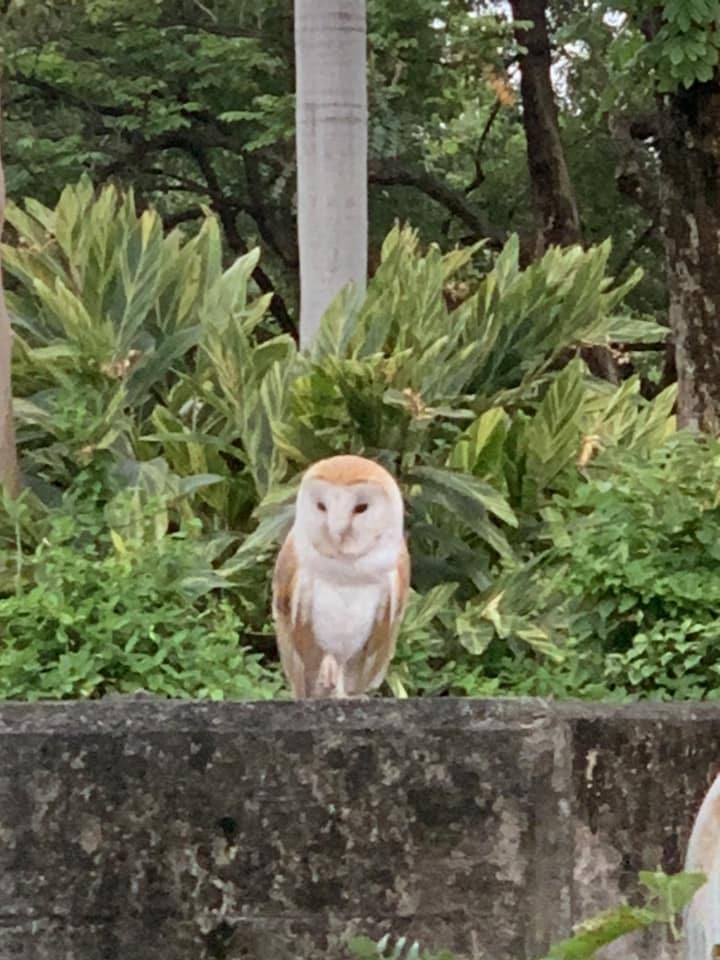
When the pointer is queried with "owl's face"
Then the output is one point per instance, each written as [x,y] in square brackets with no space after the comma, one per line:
[344,513]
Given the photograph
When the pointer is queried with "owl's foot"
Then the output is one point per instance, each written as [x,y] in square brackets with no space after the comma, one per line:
[328,675]
[340,691]
[331,679]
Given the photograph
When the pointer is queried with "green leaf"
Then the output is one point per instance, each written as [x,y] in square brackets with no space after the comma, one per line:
[593,934]
[468,449]
[467,492]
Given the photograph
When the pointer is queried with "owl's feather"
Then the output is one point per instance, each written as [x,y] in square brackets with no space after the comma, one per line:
[347,470]
[701,923]
[300,654]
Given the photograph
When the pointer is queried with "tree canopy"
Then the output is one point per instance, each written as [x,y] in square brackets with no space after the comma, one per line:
[193,104]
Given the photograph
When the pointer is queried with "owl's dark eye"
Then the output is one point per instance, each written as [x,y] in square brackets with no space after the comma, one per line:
[360,508]
[321,506]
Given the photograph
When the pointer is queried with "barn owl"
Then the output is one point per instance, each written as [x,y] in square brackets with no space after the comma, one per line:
[701,925]
[341,579]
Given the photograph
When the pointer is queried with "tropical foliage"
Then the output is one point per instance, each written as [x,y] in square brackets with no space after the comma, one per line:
[192,103]
[163,425]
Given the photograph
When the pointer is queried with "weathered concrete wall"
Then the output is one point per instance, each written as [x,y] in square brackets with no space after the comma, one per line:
[148,830]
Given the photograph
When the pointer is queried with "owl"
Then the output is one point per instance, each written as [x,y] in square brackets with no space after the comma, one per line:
[701,924]
[341,579]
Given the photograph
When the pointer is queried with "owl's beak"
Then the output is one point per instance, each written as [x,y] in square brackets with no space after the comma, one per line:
[338,540]
[338,530]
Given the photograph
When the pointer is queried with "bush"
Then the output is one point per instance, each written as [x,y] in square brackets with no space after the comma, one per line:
[97,609]
[618,600]
[144,365]
[637,551]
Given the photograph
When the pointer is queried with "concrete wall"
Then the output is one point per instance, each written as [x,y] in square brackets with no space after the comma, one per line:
[148,830]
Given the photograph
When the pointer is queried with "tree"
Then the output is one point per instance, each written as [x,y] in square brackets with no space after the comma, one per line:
[553,194]
[690,164]
[192,105]
[690,153]
[9,468]
[331,111]
[681,54]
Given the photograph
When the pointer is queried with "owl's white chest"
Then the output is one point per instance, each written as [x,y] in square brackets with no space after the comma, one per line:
[343,615]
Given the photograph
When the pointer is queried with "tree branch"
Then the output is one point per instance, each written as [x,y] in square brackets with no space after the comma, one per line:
[634,175]
[214,134]
[634,246]
[263,218]
[270,232]
[642,347]
[171,220]
[479,176]
[228,217]
[57,94]
[479,172]
[392,173]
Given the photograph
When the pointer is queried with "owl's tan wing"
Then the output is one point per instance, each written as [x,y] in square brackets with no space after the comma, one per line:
[367,669]
[300,656]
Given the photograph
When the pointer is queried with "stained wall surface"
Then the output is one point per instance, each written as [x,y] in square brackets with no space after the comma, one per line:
[156,830]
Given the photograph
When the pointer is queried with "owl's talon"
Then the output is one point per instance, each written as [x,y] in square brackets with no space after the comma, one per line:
[329,673]
[340,691]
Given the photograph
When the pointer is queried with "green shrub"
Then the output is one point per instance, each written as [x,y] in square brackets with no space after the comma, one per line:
[617,600]
[142,363]
[97,609]
[637,551]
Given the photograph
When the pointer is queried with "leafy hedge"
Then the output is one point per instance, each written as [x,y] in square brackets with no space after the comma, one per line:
[561,534]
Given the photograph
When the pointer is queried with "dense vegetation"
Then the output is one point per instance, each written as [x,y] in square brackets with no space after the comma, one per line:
[192,104]
[563,532]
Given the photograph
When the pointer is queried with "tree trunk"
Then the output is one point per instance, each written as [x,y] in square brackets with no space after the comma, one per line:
[690,166]
[9,468]
[553,195]
[331,125]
